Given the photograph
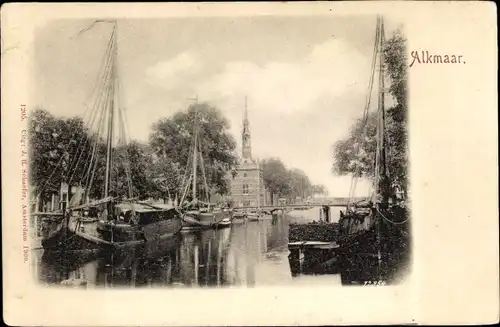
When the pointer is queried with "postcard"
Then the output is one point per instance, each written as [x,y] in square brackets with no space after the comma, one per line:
[274,163]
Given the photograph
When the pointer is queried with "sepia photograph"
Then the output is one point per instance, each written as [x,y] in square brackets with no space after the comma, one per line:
[191,152]
[265,163]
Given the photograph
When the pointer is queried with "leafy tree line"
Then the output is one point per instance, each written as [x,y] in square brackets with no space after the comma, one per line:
[171,141]
[288,183]
[62,149]
[356,153]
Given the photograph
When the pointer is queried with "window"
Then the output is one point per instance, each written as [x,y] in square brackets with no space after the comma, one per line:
[245,188]
[244,174]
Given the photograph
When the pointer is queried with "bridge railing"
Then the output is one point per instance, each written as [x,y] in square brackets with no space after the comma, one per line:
[338,202]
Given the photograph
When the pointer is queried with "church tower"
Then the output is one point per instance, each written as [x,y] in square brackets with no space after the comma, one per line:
[247,185]
[245,136]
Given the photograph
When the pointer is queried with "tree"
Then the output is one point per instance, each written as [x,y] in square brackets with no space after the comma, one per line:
[57,148]
[319,190]
[397,131]
[173,137]
[132,166]
[62,150]
[300,184]
[166,177]
[286,183]
[356,153]
[276,177]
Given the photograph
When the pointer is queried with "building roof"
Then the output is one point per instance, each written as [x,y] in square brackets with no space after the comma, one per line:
[248,165]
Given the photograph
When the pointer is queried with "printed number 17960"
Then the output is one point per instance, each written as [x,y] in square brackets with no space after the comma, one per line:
[374,283]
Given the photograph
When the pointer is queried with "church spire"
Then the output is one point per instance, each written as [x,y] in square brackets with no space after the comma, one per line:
[247,148]
[246,110]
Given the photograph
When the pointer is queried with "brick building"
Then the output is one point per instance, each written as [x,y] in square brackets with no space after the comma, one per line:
[247,187]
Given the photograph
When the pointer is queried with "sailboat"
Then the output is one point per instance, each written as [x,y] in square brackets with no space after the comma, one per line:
[197,213]
[115,219]
[373,234]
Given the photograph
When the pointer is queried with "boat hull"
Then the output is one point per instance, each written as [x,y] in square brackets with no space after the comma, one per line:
[254,217]
[372,249]
[226,222]
[205,220]
[238,219]
[109,234]
[51,225]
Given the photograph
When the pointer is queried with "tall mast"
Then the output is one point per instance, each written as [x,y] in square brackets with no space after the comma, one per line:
[382,186]
[195,148]
[258,186]
[195,157]
[111,109]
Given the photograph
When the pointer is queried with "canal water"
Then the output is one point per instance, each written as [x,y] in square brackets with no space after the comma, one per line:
[245,254]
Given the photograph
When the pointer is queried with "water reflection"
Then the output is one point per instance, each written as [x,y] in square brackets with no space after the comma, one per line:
[245,254]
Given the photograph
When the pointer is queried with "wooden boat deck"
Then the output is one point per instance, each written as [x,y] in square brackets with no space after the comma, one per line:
[91,234]
[100,241]
[313,244]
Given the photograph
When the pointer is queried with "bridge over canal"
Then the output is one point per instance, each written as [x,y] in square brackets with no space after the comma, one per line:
[335,202]
[325,205]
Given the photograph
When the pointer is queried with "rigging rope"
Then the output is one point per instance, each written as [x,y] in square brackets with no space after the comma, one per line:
[67,146]
[391,221]
[89,176]
[360,139]
[75,163]
[186,188]
[79,157]
[123,142]
[104,82]
[187,168]
[123,139]
[381,169]
[111,122]
[103,96]
[103,119]
[99,80]
[50,176]
[202,164]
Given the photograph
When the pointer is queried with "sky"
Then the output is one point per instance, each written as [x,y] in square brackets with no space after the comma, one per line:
[305,78]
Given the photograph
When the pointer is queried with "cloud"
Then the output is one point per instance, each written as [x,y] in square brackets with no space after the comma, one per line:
[298,109]
[330,69]
[185,63]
